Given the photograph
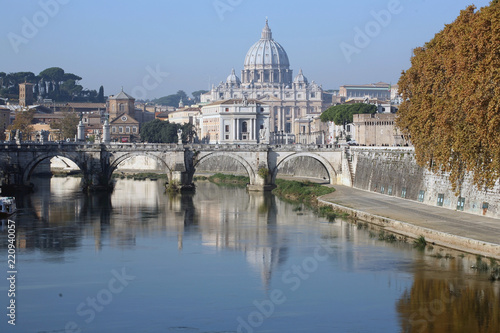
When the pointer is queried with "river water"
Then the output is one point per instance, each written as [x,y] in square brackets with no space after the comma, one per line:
[224,260]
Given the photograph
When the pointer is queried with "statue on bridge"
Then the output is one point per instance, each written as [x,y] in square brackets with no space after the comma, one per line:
[179,136]
[18,137]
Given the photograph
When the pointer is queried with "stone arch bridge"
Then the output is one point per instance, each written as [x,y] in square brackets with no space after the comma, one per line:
[98,161]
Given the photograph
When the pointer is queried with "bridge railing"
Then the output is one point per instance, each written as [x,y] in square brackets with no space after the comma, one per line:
[29,145]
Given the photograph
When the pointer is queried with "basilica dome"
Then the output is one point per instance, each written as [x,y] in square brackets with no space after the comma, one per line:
[300,78]
[267,52]
[232,79]
[266,63]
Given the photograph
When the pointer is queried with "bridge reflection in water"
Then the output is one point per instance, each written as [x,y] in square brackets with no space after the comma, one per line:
[398,287]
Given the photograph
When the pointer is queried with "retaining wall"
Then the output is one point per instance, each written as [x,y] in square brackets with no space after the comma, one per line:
[394,171]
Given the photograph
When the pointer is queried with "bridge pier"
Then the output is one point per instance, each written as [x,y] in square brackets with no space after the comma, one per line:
[96,182]
[184,179]
[263,181]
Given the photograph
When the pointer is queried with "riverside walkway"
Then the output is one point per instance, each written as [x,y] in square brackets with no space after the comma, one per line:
[454,229]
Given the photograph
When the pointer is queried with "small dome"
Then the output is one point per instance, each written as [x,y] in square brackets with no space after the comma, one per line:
[233,79]
[300,78]
[267,52]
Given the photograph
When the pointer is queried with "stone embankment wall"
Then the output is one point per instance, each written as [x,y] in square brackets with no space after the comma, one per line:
[394,171]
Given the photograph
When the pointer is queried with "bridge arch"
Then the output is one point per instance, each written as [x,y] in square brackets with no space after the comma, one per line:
[126,156]
[30,167]
[241,160]
[332,173]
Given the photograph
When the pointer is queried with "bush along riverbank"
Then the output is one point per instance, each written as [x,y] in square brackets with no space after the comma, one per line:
[140,175]
[226,180]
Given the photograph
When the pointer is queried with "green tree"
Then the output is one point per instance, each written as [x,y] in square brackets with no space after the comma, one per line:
[67,125]
[170,100]
[159,131]
[100,96]
[451,108]
[70,90]
[342,114]
[173,100]
[55,75]
[196,94]
[188,132]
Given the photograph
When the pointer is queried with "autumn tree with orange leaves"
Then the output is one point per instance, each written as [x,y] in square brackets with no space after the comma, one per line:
[451,93]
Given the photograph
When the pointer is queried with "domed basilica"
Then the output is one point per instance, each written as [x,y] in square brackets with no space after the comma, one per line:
[267,77]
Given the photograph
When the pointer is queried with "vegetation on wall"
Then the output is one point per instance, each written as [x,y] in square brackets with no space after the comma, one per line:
[451,108]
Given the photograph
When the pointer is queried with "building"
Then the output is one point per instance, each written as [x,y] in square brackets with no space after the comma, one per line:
[25,94]
[377,130]
[185,115]
[120,104]
[125,118]
[380,91]
[124,128]
[235,121]
[4,120]
[75,107]
[93,122]
[268,78]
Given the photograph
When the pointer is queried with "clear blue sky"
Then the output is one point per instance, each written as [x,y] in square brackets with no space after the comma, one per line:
[114,43]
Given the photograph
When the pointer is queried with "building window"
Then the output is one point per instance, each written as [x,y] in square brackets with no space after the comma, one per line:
[421,195]
[122,107]
[227,109]
[440,199]
[227,128]
[113,129]
[227,137]
[127,129]
[244,127]
[485,207]
[460,203]
[389,190]
[134,129]
[120,129]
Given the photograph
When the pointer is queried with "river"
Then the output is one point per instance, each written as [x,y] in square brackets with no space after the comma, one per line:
[224,260]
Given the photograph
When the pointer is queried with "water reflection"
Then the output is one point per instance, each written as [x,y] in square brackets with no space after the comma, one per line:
[449,300]
[59,224]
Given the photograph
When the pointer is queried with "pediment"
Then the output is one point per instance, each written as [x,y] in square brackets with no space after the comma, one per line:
[268,97]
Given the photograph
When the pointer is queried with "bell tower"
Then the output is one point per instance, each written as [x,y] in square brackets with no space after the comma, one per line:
[25,94]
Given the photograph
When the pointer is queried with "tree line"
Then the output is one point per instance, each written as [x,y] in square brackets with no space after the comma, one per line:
[51,83]
[158,131]
[174,99]
[343,114]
